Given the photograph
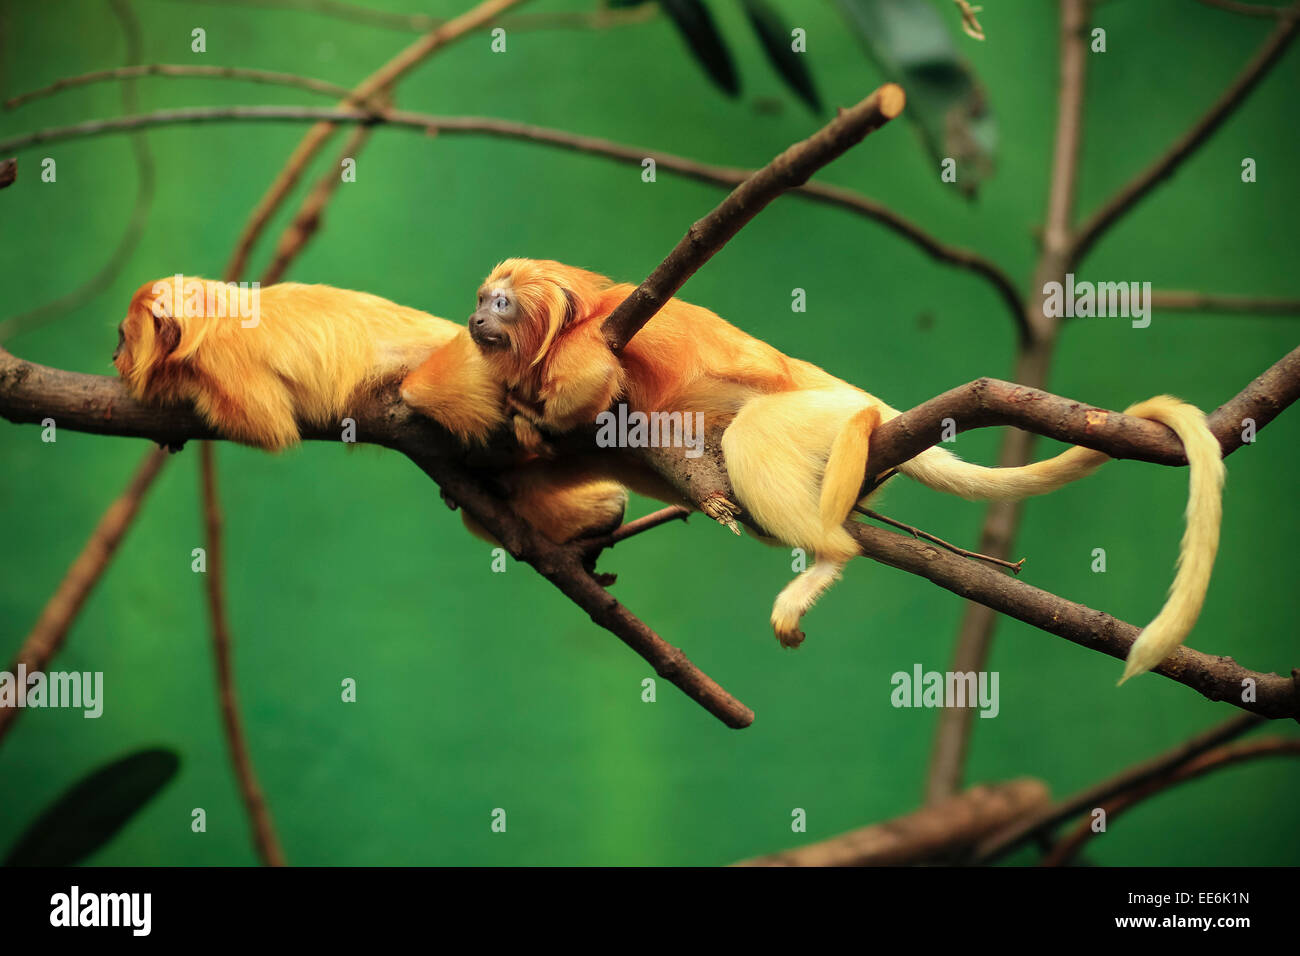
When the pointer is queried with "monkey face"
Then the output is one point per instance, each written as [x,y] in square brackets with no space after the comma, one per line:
[497,311]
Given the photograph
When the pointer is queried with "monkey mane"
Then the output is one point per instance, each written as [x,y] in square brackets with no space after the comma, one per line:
[553,296]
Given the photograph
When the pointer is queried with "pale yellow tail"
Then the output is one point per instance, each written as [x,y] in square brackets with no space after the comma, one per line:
[1200,542]
[939,469]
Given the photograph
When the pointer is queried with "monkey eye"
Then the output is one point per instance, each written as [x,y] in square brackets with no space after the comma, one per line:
[500,304]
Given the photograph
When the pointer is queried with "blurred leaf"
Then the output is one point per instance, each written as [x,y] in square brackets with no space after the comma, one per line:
[692,18]
[87,815]
[775,37]
[911,43]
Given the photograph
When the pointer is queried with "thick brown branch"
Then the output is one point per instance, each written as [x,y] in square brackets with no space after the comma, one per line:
[1242,86]
[31,392]
[986,402]
[1216,678]
[940,833]
[8,172]
[705,237]
[97,404]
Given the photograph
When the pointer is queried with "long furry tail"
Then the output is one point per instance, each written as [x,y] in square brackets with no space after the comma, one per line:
[939,469]
[1200,542]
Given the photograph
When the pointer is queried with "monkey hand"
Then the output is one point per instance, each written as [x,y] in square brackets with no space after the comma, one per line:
[718,507]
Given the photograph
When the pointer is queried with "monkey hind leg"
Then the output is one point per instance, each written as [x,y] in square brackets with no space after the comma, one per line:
[560,500]
[781,449]
[800,595]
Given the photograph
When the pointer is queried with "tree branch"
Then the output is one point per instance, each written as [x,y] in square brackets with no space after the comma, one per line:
[1207,302]
[1047,819]
[1137,188]
[1246,9]
[827,195]
[935,834]
[379,81]
[259,814]
[267,77]
[987,402]
[708,235]
[1033,363]
[100,405]
[1068,848]
[51,628]
[30,392]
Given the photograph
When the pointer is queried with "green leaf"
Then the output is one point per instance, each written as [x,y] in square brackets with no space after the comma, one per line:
[696,25]
[87,815]
[774,34]
[912,44]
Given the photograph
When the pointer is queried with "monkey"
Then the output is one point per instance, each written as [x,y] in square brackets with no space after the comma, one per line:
[258,363]
[796,437]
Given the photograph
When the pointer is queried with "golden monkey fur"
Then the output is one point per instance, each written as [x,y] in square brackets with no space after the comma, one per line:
[256,366]
[797,439]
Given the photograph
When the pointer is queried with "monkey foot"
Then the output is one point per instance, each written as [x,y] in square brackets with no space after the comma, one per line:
[724,512]
[791,638]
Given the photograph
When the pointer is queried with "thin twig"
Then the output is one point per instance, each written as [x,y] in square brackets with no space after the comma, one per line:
[637,526]
[145,187]
[1207,302]
[1246,9]
[1013,566]
[599,19]
[834,196]
[969,24]
[1024,830]
[1068,847]
[51,629]
[1140,185]
[181,70]
[264,838]
[307,221]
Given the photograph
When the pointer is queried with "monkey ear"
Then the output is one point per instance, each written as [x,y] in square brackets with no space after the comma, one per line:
[167,331]
[570,306]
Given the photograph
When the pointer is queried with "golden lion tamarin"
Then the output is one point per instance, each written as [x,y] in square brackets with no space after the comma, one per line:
[259,362]
[796,437]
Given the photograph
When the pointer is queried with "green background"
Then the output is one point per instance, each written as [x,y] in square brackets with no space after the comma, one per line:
[480,690]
